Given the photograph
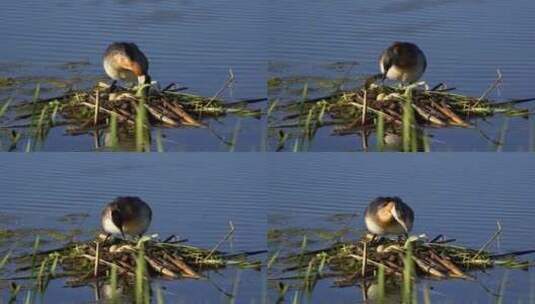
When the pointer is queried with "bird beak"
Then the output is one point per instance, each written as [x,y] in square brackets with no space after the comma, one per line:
[404,227]
[397,217]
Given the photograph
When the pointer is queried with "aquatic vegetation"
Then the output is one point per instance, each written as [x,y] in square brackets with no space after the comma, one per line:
[170,107]
[6,82]
[82,262]
[403,112]
[119,270]
[400,261]
[127,114]
[9,236]
[24,84]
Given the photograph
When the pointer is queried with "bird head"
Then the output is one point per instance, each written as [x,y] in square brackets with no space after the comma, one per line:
[117,219]
[384,214]
[399,217]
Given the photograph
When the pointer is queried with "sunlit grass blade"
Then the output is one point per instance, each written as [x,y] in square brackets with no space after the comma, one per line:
[28,147]
[272,260]
[295,299]
[113,283]
[502,288]
[381,283]
[235,287]
[34,254]
[407,129]
[142,130]
[531,141]
[426,294]
[296,145]
[426,142]
[4,260]
[4,107]
[28,299]
[159,141]
[54,265]
[140,277]
[159,295]
[503,134]
[235,135]
[380,133]
[407,276]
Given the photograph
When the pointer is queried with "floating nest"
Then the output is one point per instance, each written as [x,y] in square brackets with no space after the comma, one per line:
[86,110]
[85,262]
[356,110]
[352,262]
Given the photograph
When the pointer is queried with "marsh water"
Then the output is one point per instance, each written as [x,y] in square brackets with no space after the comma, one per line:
[193,196]
[323,198]
[59,44]
[278,199]
[326,44]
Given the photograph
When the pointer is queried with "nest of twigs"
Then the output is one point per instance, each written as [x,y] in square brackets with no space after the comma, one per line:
[171,107]
[359,109]
[352,262]
[84,262]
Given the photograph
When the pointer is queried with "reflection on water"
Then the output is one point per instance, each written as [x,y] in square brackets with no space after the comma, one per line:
[465,43]
[192,44]
[193,196]
[460,197]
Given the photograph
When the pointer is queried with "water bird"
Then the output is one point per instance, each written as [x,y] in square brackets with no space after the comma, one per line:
[127,216]
[125,61]
[389,216]
[402,61]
